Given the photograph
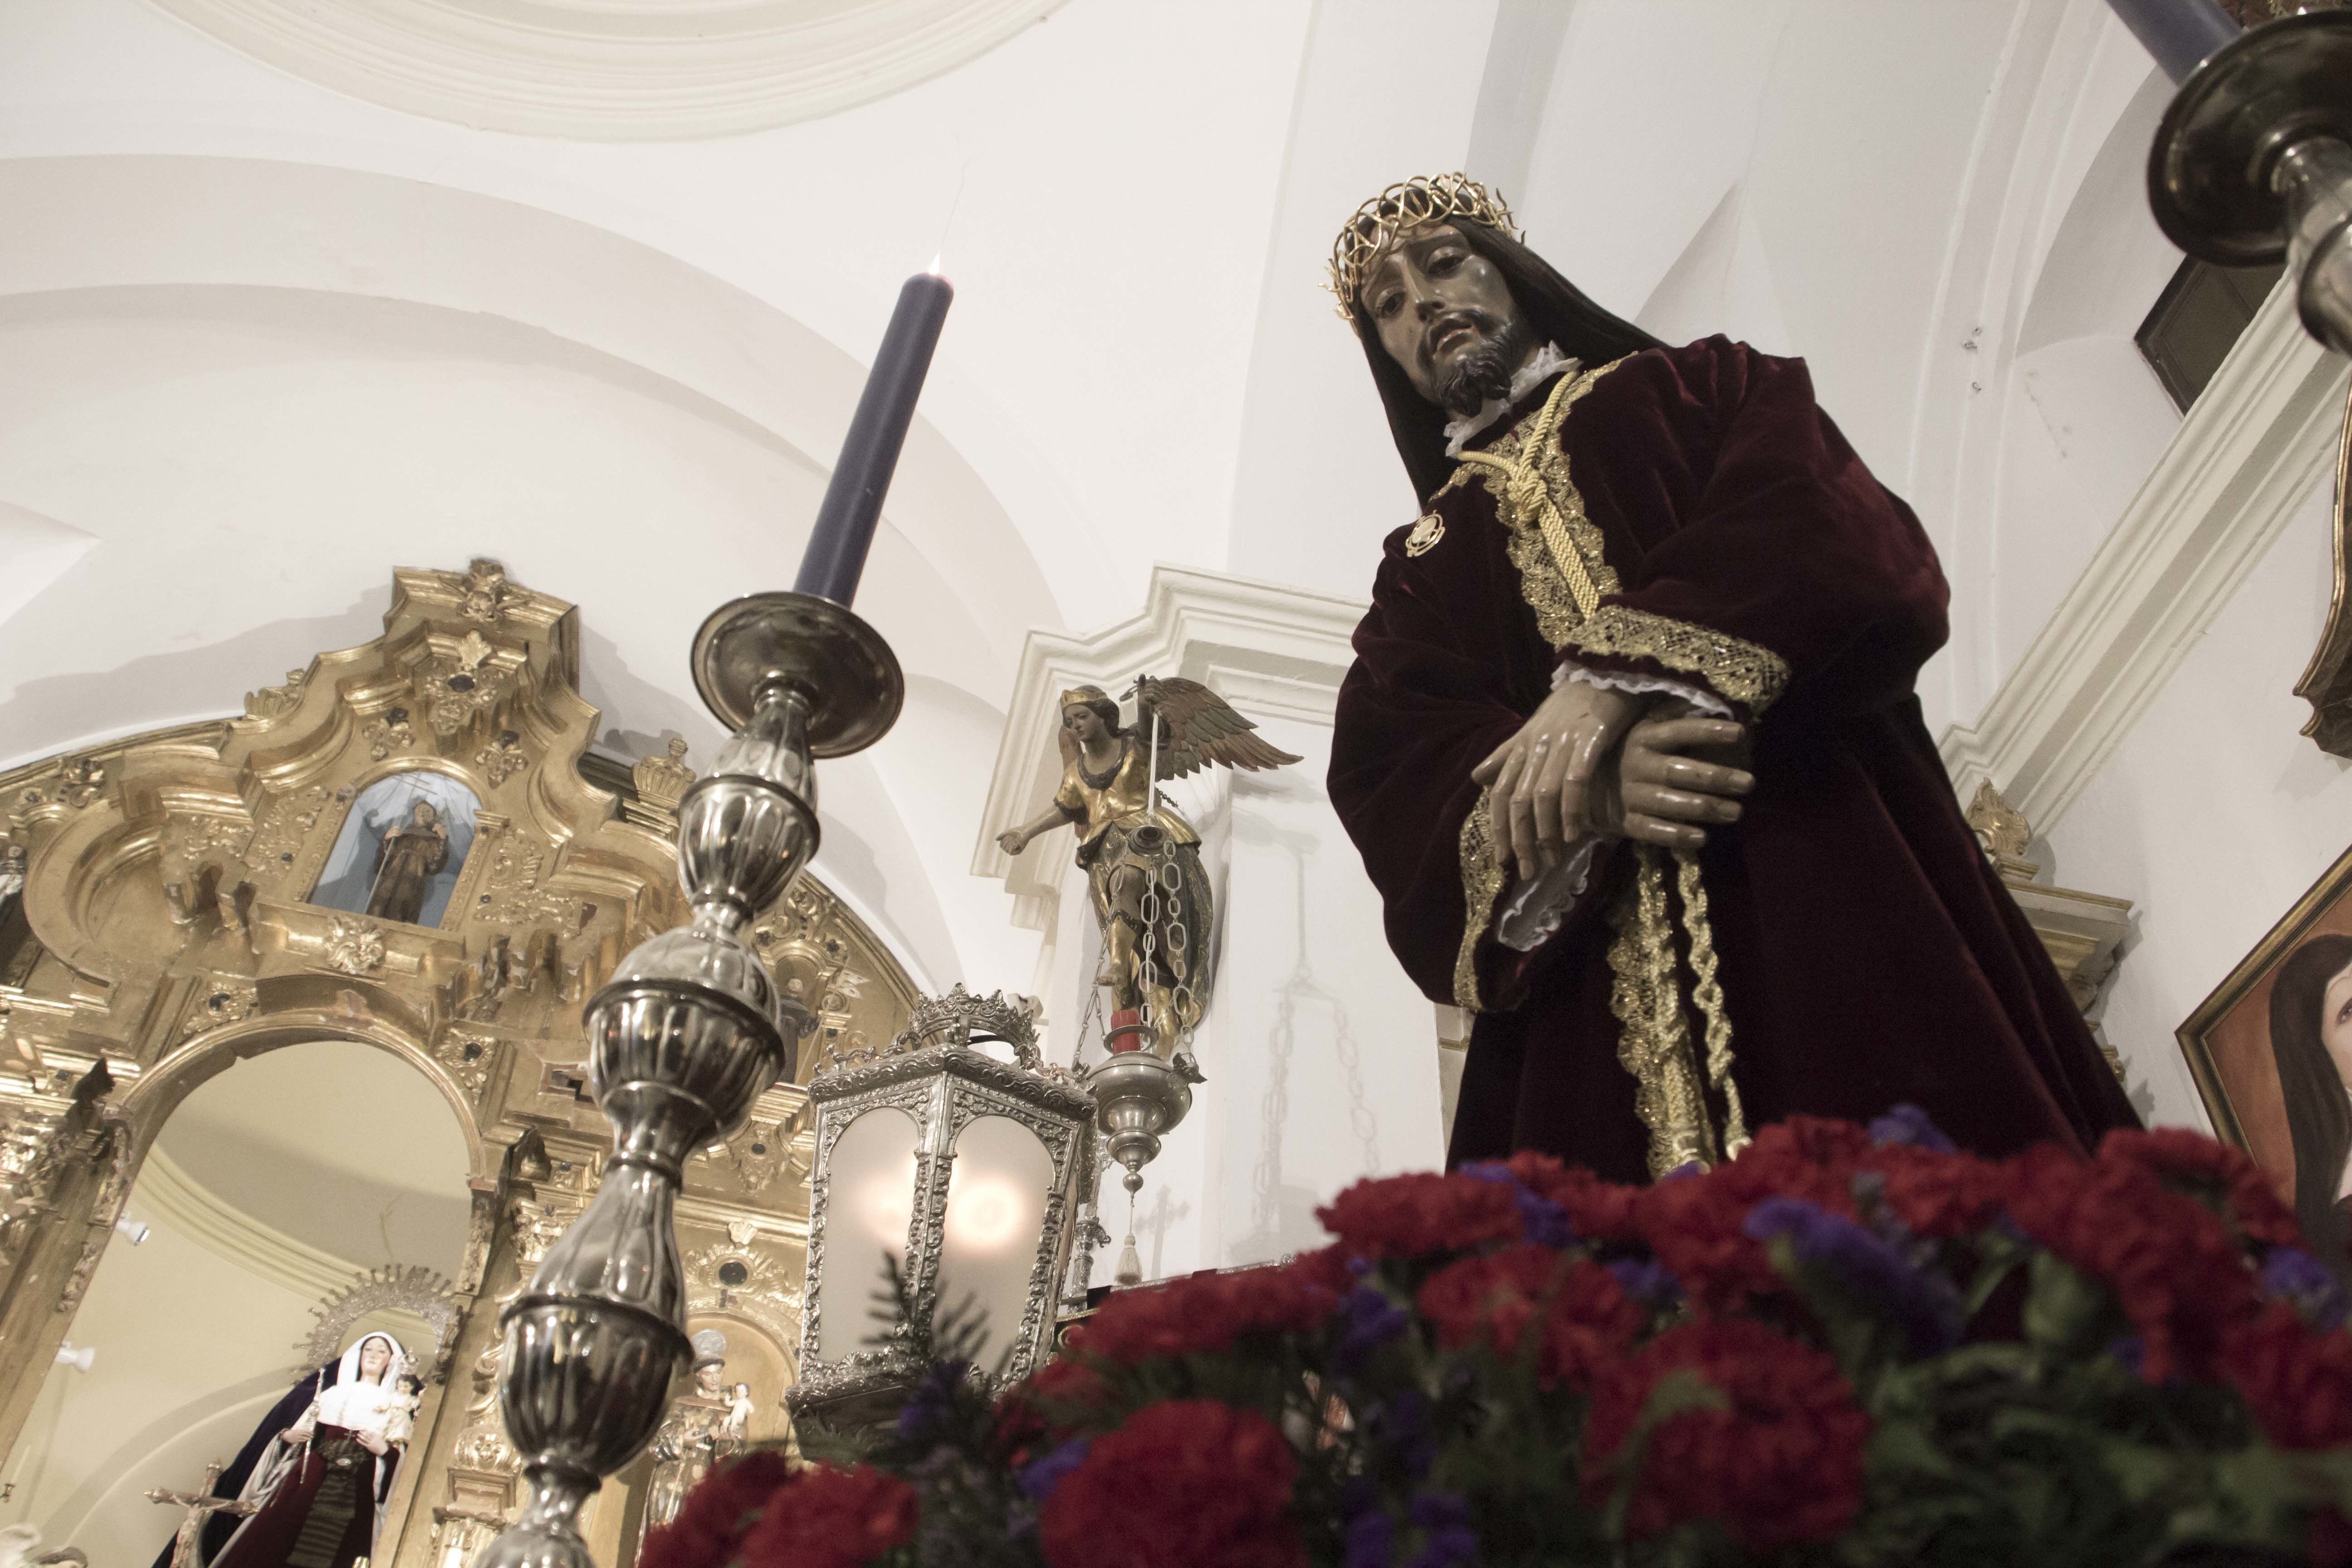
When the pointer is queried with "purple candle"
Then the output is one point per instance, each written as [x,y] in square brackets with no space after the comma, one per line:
[853,502]
[2181,34]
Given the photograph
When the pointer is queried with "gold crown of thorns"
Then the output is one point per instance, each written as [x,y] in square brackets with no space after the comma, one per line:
[1404,206]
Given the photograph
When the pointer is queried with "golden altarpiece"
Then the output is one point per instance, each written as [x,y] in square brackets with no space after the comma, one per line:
[165,929]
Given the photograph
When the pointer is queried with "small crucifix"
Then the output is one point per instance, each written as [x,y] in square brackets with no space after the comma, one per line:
[200,1504]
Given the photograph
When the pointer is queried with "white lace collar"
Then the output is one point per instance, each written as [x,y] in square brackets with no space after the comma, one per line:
[1530,375]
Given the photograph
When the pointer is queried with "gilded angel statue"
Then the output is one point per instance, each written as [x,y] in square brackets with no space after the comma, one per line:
[1143,860]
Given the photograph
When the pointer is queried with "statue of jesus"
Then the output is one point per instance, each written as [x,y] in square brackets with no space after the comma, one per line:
[1631,745]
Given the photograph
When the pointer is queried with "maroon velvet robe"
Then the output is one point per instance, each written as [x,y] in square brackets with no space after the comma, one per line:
[1869,954]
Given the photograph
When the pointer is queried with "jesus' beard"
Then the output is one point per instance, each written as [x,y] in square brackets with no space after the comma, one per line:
[1482,374]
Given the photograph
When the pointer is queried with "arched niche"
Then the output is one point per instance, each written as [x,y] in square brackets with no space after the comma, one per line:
[308,1191]
[159,923]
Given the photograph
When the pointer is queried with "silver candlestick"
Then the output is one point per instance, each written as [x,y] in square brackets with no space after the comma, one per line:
[688,1032]
[2253,163]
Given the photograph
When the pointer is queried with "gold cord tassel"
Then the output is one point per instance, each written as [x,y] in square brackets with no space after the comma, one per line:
[1653,1033]
[1707,993]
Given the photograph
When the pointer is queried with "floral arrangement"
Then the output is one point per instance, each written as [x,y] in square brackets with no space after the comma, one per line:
[1851,1346]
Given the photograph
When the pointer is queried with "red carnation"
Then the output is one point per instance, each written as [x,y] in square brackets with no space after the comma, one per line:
[1043,1403]
[1413,1215]
[1597,1210]
[2171,1262]
[2252,1203]
[825,1518]
[1782,1463]
[2297,1380]
[1695,1222]
[1587,1319]
[1186,1483]
[1205,1313]
[716,1513]
[1936,1194]
[1327,1266]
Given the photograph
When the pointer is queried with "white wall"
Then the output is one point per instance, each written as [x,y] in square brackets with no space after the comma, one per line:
[2214,814]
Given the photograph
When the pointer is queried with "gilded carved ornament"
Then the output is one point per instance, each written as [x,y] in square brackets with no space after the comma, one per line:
[166,887]
[2326,682]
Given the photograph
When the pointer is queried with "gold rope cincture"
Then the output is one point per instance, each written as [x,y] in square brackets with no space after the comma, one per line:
[1656,1046]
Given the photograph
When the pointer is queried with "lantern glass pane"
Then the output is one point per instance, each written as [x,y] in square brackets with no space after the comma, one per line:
[996,1216]
[869,1200]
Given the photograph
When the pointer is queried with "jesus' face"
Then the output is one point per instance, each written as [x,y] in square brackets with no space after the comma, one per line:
[1445,315]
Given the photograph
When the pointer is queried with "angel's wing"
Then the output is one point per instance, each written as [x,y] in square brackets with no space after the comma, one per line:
[1201,728]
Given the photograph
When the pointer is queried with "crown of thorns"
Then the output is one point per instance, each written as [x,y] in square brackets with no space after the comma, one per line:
[1404,206]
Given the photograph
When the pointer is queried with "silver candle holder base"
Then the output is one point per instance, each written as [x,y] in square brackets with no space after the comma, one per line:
[2253,162]
[687,1032]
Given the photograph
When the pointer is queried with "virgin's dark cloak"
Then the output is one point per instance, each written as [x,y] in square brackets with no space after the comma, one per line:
[219,1527]
[1869,954]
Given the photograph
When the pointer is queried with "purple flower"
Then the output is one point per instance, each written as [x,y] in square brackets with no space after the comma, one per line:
[1371,1539]
[1040,1479]
[1868,1269]
[1544,1222]
[932,1398]
[1909,1124]
[1369,1320]
[1648,1281]
[1447,1540]
[2306,1284]
[1401,1423]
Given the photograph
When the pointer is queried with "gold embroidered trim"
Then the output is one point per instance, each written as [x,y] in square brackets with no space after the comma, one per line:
[1564,570]
[1482,884]
[1707,993]
[1739,672]
[1653,1040]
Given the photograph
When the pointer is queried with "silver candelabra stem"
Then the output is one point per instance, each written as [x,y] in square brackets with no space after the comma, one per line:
[687,1032]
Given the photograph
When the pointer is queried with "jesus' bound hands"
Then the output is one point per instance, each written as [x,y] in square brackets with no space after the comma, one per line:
[1594,760]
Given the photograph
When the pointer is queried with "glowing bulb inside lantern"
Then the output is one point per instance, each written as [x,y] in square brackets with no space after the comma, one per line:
[983,1213]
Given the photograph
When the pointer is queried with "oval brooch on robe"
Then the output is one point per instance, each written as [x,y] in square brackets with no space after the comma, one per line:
[1426,531]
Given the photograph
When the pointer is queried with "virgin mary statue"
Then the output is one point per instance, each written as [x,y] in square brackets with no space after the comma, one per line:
[320,1478]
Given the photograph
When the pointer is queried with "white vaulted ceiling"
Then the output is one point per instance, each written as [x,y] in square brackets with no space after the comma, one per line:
[616,70]
[290,295]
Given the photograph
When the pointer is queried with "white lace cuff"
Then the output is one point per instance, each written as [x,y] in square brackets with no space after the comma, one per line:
[1698,697]
[1537,909]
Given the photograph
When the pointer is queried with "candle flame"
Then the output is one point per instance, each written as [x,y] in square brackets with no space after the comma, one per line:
[937,257]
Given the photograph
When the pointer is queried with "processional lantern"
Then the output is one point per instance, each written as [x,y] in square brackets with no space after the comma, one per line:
[2253,161]
[959,1154]
[692,1027]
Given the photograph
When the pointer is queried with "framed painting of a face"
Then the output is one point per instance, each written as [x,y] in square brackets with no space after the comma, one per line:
[401,848]
[2271,1051]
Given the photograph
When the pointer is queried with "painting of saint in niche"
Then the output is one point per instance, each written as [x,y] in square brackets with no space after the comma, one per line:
[401,848]
[2271,1051]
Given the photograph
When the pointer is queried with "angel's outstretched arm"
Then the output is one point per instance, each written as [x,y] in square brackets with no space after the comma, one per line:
[1015,840]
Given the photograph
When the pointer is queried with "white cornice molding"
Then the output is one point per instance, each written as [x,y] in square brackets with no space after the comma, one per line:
[170,1198]
[2249,452]
[619,70]
[1270,651]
